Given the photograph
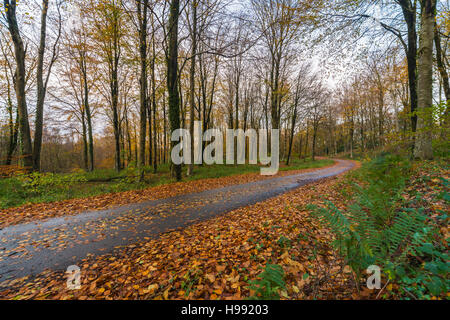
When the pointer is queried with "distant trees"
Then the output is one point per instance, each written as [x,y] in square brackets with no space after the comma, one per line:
[276,21]
[31,154]
[79,49]
[108,20]
[305,101]
[115,79]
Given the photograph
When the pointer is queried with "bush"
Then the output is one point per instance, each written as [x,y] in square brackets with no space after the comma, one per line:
[11,192]
[23,187]
[39,183]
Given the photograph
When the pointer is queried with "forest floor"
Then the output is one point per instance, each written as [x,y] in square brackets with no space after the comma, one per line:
[220,257]
[214,259]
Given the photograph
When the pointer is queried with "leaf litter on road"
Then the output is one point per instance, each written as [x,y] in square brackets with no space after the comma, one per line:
[214,259]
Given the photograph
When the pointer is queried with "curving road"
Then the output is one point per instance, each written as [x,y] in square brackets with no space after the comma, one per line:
[29,249]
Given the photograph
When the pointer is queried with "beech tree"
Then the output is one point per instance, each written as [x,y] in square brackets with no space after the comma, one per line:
[19,82]
[172,76]
[423,148]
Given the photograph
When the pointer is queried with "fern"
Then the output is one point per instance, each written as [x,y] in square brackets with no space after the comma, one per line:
[269,282]
[375,230]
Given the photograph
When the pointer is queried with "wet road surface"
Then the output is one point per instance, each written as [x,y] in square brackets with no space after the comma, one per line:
[29,249]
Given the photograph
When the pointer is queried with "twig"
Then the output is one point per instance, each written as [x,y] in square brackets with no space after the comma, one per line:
[413,296]
[382,289]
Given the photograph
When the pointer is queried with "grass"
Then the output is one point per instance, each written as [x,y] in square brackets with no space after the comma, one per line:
[43,188]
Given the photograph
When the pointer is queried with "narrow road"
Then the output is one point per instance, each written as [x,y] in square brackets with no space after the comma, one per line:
[29,249]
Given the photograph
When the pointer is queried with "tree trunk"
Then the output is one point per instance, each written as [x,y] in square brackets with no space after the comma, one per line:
[116,124]
[19,53]
[300,146]
[172,77]
[87,109]
[442,70]
[13,126]
[164,144]
[423,148]
[82,61]
[84,138]
[41,90]
[409,14]
[150,129]
[192,85]
[275,94]
[129,153]
[306,141]
[314,143]
[291,139]
[142,17]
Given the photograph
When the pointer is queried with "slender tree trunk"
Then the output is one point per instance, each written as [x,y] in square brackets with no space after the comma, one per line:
[41,90]
[306,141]
[314,142]
[122,148]
[442,70]
[135,143]
[155,131]
[192,85]
[12,125]
[116,124]
[142,17]
[19,53]
[14,132]
[164,144]
[128,135]
[85,143]
[266,111]
[150,129]
[352,134]
[236,114]
[291,139]
[87,109]
[409,14]
[300,146]
[172,77]
[423,148]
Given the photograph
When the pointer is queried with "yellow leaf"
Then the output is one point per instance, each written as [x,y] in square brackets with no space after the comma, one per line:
[220,268]
[152,288]
[211,278]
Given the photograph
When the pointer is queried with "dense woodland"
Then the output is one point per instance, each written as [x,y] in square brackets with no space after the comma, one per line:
[91,91]
[102,83]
